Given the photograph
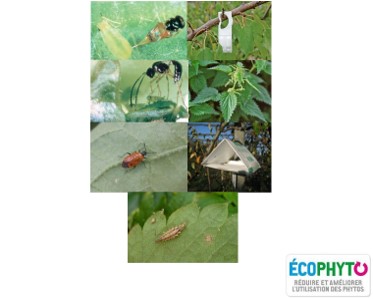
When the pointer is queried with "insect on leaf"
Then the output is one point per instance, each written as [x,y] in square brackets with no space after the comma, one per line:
[209,235]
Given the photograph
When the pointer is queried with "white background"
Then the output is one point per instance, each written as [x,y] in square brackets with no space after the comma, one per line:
[60,241]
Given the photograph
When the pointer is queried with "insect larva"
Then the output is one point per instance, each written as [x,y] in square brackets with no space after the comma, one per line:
[172,233]
[114,41]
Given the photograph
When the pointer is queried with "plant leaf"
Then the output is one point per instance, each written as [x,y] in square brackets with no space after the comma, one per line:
[203,117]
[220,79]
[164,168]
[244,36]
[197,83]
[222,68]
[261,94]
[253,78]
[263,65]
[202,109]
[251,108]
[205,54]
[193,68]
[210,236]
[206,94]
[228,103]
[207,62]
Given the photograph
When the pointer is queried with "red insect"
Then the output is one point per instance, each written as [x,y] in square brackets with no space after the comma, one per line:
[134,159]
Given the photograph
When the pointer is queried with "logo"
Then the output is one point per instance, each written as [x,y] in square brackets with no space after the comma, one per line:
[328,275]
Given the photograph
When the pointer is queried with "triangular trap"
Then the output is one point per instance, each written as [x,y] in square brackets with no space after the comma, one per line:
[233,157]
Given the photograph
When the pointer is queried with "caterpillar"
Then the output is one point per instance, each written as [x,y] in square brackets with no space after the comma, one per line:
[172,233]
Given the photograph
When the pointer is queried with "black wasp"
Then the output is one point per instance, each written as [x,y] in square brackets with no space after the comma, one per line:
[156,72]
[163,30]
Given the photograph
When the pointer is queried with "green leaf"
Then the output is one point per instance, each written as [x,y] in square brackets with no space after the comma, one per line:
[205,54]
[146,206]
[202,109]
[251,108]
[205,95]
[141,205]
[261,94]
[228,103]
[193,68]
[204,117]
[177,200]
[167,151]
[267,41]
[245,37]
[253,78]
[207,198]
[209,236]
[220,79]
[207,62]
[263,65]
[197,83]
[222,67]
[209,73]
[238,115]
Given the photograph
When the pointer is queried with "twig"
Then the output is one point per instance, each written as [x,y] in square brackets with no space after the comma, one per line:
[216,137]
[190,26]
[214,22]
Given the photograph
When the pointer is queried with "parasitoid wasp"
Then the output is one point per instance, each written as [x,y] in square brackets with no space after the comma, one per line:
[163,30]
[156,72]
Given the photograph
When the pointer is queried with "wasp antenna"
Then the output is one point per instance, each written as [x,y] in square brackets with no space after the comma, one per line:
[134,85]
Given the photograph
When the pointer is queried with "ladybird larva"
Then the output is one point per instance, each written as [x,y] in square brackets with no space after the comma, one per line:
[172,233]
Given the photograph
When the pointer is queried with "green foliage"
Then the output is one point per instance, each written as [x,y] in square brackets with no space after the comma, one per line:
[230,91]
[251,33]
[164,166]
[141,205]
[205,95]
[210,234]
[263,65]
[228,103]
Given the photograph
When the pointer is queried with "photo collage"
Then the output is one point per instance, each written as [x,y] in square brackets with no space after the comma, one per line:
[180,119]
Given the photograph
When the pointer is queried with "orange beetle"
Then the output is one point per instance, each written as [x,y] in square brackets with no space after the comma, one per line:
[134,159]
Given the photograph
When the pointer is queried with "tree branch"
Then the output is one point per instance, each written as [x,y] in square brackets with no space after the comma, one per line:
[214,22]
[216,137]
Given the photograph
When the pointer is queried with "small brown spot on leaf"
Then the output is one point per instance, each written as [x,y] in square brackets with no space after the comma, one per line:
[208,238]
